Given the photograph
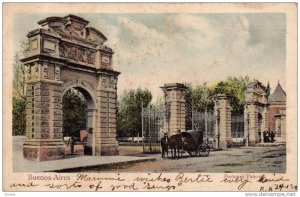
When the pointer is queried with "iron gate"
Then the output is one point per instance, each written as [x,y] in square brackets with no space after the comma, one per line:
[237,130]
[153,121]
[205,122]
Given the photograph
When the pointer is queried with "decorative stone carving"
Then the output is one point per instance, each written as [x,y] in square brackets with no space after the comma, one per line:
[173,95]
[77,53]
[36,71]
[57,73]
[28,72]
[75,29]
[113,82]
[104,82]
[45,71]
[95,36]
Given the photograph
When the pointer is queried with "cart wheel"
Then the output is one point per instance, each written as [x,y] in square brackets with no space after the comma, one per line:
[192,154]
[203,150]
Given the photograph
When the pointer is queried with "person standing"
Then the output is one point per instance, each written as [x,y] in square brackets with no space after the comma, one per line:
[89,143]
[272,135]
[265,136]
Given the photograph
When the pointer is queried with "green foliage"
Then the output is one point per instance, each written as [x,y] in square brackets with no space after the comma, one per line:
[235,87]
[19,116]
[74,112]
[267,89]
[19,72]
[129,120]
[197,99]
[201,96]
[19,97]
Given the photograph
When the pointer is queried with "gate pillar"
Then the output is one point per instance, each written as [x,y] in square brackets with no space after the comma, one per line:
[256,113]
[222,110]
[175,104]
[105,141]
[43,139]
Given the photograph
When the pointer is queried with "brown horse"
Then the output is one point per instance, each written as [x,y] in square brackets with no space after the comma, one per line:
[176,144]
[164,142]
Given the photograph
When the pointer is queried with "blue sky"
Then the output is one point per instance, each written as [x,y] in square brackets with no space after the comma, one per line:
[153,49]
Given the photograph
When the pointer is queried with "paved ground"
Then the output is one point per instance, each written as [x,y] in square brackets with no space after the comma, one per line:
[72,163]
[131,159]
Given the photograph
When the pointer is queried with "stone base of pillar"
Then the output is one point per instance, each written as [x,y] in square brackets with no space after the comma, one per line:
[252,143]
[109,150]
[43,150]
[109,147]
[223,144]
[215,143]
[229,142]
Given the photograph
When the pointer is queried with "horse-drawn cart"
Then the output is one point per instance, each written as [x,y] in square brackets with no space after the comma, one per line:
[187,141]
[193,143]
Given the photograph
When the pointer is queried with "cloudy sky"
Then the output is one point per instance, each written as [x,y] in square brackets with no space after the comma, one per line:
[153,49]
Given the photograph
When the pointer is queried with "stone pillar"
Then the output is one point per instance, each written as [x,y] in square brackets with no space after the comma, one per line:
[283,126]
[105,134]
[43,113]
[217,129]
[255,110]
[223,113]
[251,125]
[175,101]
[246,126]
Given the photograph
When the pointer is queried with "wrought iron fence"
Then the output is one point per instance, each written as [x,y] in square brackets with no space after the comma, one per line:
[237,126]
[205,122]
[153,121]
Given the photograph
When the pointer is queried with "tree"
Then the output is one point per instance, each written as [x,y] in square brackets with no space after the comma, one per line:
[19,95]
[201,97]
[129,120]
[235,87]
[267,89]
[197,99]
[74,112]
[19,117]
[189,107]
[19,72]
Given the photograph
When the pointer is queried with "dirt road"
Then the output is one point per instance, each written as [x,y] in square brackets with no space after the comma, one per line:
[246,159]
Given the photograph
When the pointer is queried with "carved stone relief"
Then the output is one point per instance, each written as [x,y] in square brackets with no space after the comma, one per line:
[173,95]
[104,82]
[28,72]
[113,82]
[75,30]
[45,71]
[35,71]
[77,53]
[57,73]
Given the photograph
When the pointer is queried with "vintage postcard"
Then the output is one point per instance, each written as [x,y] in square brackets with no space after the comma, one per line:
[150,97]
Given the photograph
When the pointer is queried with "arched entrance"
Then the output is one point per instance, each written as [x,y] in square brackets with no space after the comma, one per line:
[90,101]
[65,53]
[83,106]
[256,110]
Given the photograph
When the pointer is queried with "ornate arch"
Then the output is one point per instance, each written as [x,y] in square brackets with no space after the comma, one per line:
[80,84]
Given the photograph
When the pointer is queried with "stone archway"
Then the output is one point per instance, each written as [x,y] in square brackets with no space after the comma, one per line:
[91,103]
[66,53]
[256,113]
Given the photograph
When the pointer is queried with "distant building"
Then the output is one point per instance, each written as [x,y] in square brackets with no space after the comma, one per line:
[277,113]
